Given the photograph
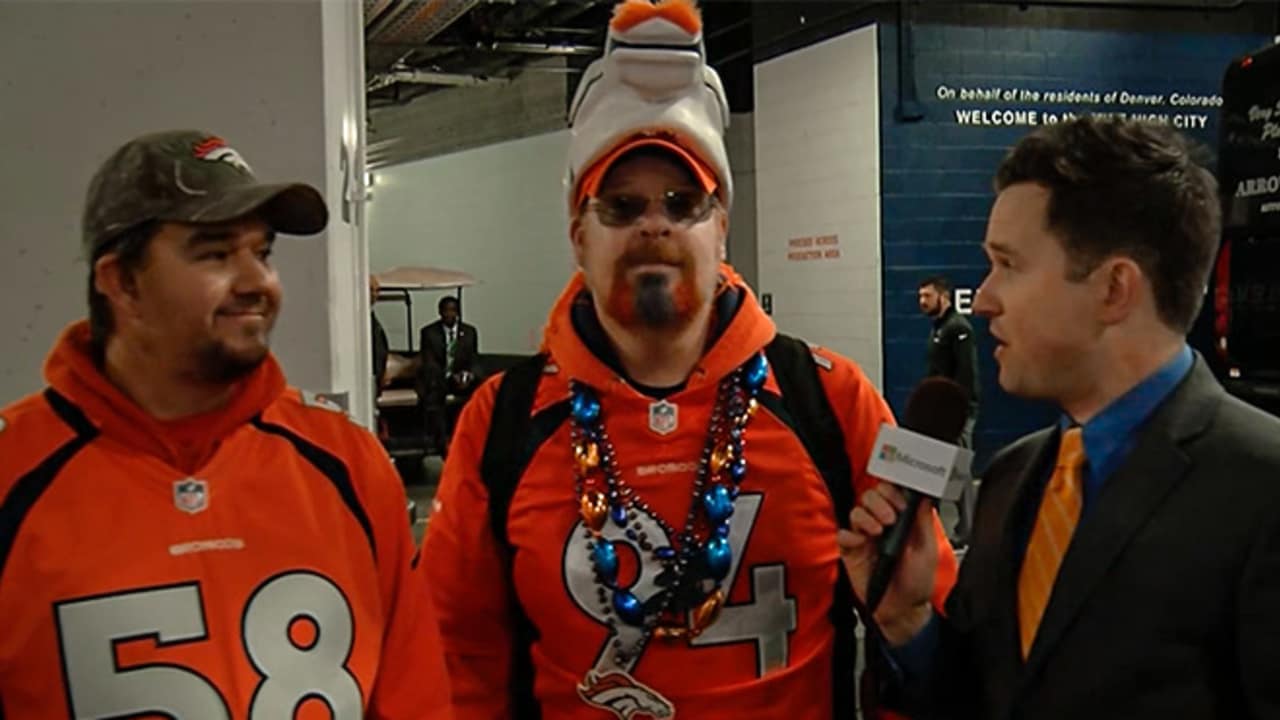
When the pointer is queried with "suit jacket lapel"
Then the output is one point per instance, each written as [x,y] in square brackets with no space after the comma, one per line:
[1154,468]
[1022,498]
[437,332]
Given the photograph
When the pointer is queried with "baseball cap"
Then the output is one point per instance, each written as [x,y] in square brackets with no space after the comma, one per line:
[651,87]
[194,177]
[589,185]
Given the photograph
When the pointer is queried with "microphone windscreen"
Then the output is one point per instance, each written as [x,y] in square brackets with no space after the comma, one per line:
[937,408]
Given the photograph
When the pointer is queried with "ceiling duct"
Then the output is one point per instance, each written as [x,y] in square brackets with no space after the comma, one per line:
[523,48]
[392,26]
[427,77]
[417,21]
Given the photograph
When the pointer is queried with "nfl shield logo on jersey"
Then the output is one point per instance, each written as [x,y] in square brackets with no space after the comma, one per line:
[663,417]
[191,495]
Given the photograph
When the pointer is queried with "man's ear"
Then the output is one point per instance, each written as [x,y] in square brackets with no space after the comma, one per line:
[1122,287]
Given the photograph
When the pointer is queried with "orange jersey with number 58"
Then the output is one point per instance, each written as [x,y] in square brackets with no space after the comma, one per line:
[251,563]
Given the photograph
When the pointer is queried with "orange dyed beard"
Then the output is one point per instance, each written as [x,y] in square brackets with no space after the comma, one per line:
[649,301]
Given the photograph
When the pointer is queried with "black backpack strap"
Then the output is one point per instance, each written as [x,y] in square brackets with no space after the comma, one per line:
[806,409]
[515,434]
[510,420]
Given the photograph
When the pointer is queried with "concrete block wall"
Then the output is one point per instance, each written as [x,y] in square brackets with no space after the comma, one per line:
[817,183]
[81,78]
[740,143]
[937,171]
[498,212]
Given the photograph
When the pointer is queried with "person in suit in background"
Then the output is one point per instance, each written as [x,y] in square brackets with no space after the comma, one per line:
[449,349]
[952,354]
[1126,560]
[381,347]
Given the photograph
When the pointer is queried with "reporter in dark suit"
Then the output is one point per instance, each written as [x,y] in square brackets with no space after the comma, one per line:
[1126,561]
[449,347]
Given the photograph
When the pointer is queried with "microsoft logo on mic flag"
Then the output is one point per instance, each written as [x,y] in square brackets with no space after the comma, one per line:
[891,454]
[917,462]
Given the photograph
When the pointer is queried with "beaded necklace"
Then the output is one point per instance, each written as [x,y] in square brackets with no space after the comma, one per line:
[695,568]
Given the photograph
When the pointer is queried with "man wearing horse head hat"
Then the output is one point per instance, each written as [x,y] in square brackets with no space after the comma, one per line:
[633,523]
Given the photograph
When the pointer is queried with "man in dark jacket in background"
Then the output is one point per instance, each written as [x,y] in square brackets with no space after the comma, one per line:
[953,354]
[449,349]
[381,348]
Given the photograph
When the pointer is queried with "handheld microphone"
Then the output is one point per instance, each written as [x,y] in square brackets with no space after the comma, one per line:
[920,457]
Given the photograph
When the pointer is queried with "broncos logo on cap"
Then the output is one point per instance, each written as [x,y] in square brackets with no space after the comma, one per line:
[215,149]
[620,693]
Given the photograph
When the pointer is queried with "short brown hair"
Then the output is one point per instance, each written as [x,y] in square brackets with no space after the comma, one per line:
[130,248]
[937,282]
[1121,187]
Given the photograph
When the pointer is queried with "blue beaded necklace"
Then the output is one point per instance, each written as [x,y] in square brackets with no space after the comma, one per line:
[695,569]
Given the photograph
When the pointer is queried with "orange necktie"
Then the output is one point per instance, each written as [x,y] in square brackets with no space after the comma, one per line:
[1055,523]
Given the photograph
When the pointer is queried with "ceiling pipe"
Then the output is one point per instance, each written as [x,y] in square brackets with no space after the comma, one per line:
[427,77]
[551,70]
[551,30]
[1184,5]
[523,48]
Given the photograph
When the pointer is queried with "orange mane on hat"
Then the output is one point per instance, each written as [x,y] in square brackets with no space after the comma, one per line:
[630,13]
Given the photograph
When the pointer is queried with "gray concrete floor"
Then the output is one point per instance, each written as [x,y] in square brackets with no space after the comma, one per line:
[423,493]
[950,515]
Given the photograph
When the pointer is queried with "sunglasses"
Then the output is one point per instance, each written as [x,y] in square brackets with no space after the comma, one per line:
[688,207]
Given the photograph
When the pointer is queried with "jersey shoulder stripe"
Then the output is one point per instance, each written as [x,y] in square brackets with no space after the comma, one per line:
[27,490]
[330,466]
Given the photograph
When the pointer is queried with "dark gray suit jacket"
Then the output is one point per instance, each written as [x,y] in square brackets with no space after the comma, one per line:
[1167,604]
[433,347]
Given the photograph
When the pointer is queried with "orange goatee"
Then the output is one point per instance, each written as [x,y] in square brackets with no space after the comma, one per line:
[683,13]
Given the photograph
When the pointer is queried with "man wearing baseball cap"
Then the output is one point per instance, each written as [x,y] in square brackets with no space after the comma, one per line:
[181,534]
[641,521]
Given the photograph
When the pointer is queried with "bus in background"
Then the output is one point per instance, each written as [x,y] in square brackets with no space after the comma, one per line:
[1246,283]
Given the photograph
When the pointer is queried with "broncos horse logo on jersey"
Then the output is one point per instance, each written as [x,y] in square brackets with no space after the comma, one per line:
[620,693]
